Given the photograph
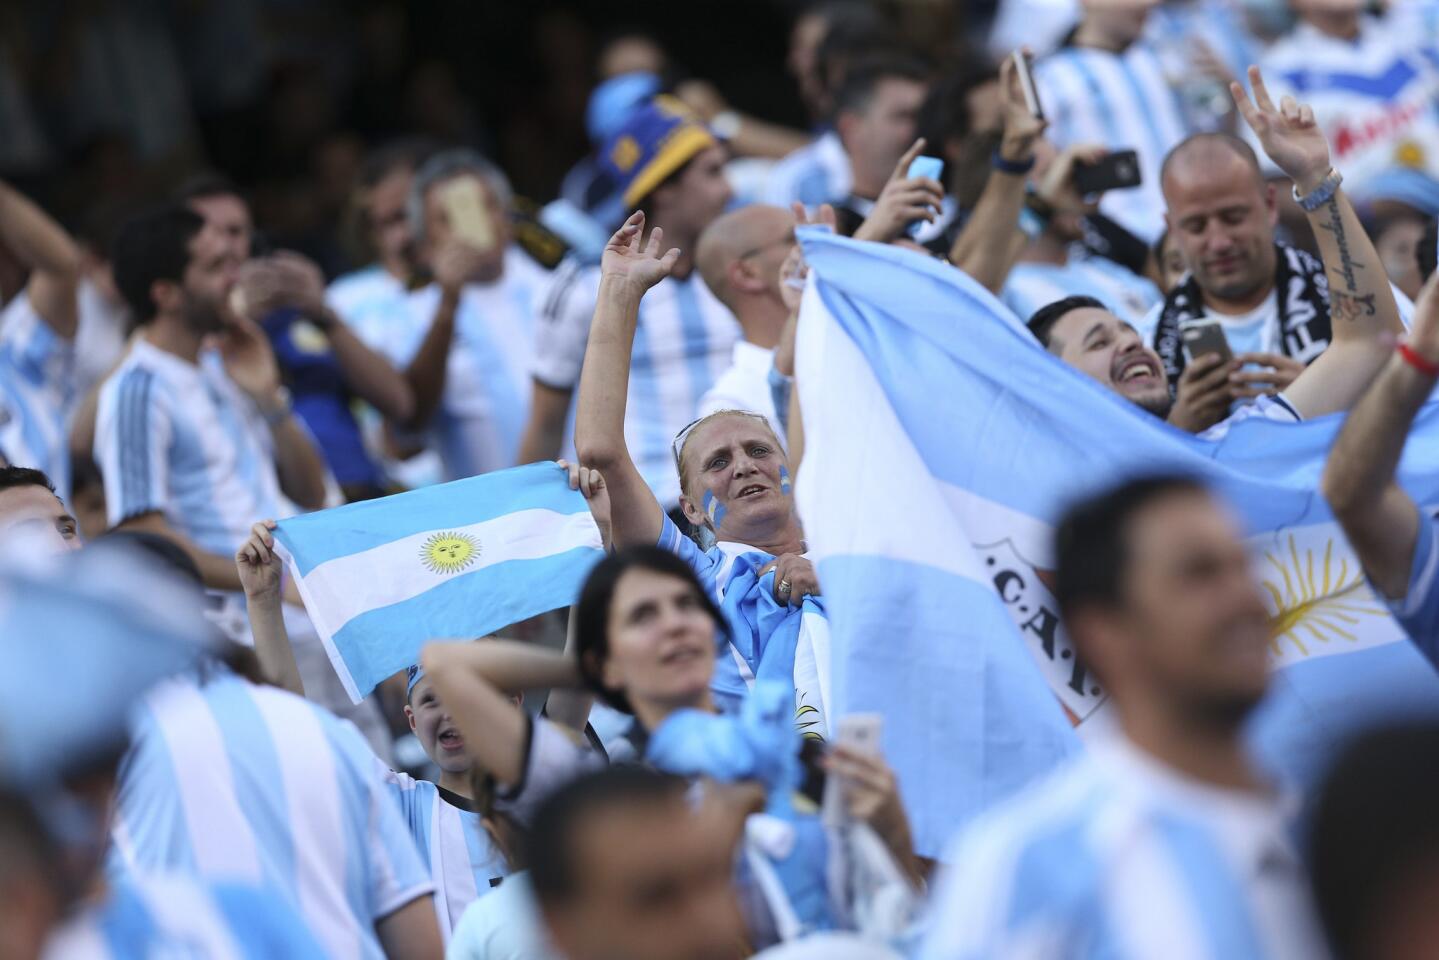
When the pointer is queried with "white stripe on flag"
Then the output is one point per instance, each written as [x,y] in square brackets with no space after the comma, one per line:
[339,590]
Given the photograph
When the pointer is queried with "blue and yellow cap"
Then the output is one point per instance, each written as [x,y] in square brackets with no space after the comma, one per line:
[654,141]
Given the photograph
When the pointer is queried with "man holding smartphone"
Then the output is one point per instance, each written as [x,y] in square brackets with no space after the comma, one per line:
[1362,305]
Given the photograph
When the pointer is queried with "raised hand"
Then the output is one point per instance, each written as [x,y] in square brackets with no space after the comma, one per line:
[794,270]
[1057,188]
[1288,132]
[638,265]
[258,563]
[1021,128]
[903,200]
[591,484]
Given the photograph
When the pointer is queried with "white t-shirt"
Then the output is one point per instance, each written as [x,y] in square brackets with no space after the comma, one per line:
[749,384]
[818,172]
[505,925]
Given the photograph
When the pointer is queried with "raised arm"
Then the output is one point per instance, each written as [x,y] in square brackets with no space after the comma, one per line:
[477,681]
[454,265]
[1363,315]
[51,255]
[1379,518]
[628,268]
[990,241]
[261,575]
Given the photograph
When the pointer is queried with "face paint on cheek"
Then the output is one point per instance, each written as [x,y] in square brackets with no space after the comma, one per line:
[785,486]
[714,509]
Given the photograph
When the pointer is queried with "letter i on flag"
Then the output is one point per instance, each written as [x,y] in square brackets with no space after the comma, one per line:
[381,578]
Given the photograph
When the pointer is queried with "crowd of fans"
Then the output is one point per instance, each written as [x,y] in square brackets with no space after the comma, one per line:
[172,383]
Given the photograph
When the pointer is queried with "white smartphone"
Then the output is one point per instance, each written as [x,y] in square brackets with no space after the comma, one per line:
[860,732]
[465,206]
[1024,66]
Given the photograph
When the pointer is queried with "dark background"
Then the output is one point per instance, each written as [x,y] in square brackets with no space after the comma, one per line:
[107,103]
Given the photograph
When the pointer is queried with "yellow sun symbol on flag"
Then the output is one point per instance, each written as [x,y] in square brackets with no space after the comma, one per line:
[449,552]
[1321,604]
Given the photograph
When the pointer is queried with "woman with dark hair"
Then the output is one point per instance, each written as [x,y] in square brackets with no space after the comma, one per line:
[645,641]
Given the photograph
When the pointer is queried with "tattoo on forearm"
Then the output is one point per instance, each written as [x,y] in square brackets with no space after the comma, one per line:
[1346,267]
[1346,306]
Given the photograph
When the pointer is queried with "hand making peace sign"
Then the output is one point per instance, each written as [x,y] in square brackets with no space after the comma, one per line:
[1288,133]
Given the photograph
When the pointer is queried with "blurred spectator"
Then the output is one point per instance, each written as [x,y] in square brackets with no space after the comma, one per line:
[672,167]
[1372,86]
[820,172]
[1374,849]
[739,257]
[1169,259]
[31,511]
[1055,264]
[464,341]
[876,112]
[1204,45]
[623,866]
[37,333]
[1106,86]
[1154,584]
[1397,236]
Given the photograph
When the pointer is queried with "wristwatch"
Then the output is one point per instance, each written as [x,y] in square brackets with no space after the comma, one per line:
[1321,194]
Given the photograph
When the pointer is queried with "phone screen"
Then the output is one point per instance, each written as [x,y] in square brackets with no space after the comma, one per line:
[1201,339]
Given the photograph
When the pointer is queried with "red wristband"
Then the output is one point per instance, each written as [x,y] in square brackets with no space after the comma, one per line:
[1427,367]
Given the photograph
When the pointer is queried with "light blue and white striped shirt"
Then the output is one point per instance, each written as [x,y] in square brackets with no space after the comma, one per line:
[36,392]
[1118,856]
[232,781]
[175,916]
[465,863]
[1034,285]
[684,341]
[818,172]
[184,440]
[486,403]
[1121,101]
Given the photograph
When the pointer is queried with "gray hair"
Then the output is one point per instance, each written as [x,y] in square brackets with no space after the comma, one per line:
[452,163]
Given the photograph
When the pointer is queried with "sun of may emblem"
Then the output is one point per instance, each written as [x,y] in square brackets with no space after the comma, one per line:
[449,552]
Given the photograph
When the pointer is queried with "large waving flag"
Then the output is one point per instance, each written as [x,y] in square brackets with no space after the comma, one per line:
[942,446]
[382,577]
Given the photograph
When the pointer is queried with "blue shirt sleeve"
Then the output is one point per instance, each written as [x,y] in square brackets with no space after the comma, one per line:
[705,564]
[1418,610]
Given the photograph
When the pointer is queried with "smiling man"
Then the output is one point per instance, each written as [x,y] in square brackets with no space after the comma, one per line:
[1236,265]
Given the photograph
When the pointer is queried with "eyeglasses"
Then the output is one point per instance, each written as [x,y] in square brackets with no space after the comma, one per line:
[787,239]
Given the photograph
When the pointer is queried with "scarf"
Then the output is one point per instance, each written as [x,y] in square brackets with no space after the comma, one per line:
[1303,292]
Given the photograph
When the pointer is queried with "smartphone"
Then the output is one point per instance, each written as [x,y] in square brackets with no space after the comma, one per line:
[1116,171]
[464,204]
[1203,338]
[931,167]
[859,732]
[1024,67]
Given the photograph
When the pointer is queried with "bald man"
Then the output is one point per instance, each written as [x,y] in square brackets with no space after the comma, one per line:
[739,256]
[1269,299]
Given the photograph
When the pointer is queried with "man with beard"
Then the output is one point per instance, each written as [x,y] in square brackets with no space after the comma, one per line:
[195,436]
[1164,837]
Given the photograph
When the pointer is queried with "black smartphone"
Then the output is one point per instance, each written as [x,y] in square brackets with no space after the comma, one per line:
[1202,339]
[1116,171]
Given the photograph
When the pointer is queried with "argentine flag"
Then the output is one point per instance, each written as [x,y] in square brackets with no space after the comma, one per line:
[942,446]
[380,578]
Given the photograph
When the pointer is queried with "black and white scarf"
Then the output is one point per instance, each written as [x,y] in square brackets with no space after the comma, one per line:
[1303,292]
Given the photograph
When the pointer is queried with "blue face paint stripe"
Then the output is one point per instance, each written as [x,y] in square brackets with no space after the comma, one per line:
[714,509]
[785,486]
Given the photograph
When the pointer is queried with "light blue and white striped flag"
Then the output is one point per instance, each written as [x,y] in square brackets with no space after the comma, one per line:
[382,577]
[943,444]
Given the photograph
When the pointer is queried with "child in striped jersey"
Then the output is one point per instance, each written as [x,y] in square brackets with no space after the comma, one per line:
[460,835]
